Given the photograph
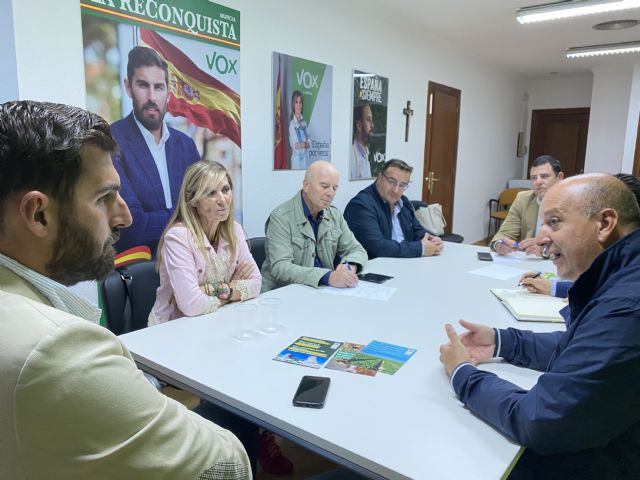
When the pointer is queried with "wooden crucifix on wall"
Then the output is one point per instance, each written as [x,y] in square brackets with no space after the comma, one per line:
[408,112]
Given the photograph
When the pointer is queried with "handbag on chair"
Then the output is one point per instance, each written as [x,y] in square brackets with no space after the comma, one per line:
[432,218]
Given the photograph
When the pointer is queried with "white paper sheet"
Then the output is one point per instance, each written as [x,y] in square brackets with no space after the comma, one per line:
[372,291]
[500,272]
[515,257]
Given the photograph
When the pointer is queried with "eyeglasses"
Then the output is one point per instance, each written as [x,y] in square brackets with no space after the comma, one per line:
[395,183]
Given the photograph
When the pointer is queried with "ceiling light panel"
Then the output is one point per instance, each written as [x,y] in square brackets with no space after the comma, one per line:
[572,8]
[598,50]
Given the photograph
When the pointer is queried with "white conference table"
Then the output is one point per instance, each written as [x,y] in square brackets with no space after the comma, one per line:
[407,425]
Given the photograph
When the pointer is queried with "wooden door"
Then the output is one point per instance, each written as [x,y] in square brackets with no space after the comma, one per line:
[441,148]
[561,133]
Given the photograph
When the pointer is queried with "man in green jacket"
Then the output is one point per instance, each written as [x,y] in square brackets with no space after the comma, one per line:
[306,234]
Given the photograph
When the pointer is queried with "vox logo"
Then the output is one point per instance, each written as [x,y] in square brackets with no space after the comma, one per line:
[306,79]
[222,64]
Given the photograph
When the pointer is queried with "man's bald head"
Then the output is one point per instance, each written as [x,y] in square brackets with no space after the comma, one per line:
[597,191]
[582,216]
[320,167]
[319,186]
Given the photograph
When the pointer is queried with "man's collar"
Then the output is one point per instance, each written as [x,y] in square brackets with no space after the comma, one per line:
[363,150]
[60,296]
[148,136]
[307,212]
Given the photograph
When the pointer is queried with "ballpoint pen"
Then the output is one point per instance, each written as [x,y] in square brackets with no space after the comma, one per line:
[502,242]
[347,264]
[532,276]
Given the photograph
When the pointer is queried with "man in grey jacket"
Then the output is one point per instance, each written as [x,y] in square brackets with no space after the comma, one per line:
[306,235]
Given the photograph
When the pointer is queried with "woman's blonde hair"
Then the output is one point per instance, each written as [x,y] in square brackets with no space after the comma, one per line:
[199,180]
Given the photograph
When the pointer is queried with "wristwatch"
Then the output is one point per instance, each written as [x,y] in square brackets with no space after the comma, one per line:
[224,288]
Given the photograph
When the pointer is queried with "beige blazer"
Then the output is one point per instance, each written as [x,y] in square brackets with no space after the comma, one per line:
[521,220]
[73,405]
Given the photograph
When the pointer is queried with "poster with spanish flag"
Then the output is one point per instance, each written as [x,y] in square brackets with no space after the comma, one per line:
[302,92]
[166,76]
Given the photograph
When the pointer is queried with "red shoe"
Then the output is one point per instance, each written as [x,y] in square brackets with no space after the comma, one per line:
[270,456]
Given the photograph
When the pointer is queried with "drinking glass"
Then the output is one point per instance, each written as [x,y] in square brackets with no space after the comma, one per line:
[245,317]
[269,308]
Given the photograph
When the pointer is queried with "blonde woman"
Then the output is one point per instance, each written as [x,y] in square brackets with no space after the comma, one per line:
[203,258]
[299,138]
[204,262]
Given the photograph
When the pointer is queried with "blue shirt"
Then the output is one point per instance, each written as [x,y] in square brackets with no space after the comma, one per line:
[315,224]
[396,229]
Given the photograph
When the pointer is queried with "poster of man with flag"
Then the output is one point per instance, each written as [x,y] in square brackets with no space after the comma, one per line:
[167,79]
[302,112]
[369,125]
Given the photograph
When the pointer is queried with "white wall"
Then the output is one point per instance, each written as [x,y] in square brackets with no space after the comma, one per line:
[9,81]
[49,51]
[48,44]
[555,92]
[608,118]
[560,92]
[410,58]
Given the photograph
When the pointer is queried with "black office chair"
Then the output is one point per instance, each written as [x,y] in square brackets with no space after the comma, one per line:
[447,237]
[128,295]
[257,249]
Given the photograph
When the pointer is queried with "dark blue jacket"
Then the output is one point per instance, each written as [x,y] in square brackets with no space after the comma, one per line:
[583,414]
[141,186]
[369,218]
[562,288]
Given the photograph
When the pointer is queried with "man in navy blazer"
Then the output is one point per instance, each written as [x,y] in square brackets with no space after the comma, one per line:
[581,420]
[153,156]
[383,219]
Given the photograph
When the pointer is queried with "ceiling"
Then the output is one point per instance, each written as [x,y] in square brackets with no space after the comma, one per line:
[489,29]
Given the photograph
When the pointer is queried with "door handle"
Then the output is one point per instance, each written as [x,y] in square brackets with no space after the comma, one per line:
[431,179]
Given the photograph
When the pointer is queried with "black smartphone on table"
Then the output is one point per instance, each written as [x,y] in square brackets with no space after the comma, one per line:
[374,277]
[486,256]
[311,392]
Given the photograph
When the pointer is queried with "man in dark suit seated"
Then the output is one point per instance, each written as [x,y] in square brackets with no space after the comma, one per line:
[582,417]
[383,219]
[153,156]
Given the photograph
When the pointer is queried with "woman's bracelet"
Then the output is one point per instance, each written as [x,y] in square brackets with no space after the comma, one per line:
[219,290]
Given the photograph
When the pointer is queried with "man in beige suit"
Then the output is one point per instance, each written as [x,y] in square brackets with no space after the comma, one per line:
[519,229]
[72,403]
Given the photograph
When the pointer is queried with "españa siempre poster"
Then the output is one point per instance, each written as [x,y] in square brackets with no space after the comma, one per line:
[369,126]
[301,110]
[200,44]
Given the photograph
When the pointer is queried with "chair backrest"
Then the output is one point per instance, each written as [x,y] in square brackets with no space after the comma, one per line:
[128,295]
[257,249]
[507,196]
[419,204]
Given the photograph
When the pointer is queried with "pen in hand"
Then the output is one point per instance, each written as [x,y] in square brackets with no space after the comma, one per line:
[532,276]
[347,264]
